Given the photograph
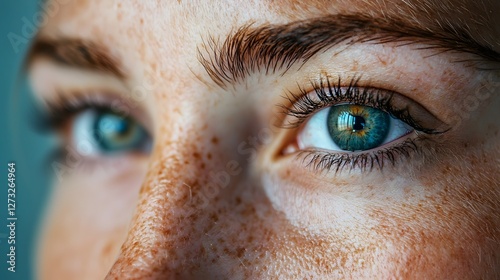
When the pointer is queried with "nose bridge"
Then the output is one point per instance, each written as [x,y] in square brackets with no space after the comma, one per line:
[188,170]
[161,225]
[194,160]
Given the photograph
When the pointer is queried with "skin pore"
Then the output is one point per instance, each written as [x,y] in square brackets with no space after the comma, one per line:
[224,192]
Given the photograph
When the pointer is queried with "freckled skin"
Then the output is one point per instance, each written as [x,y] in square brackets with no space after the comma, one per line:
[434,216]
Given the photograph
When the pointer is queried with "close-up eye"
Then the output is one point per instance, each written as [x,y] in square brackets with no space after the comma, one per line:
[360,127]
[104,132]
[94,129]
[351,128]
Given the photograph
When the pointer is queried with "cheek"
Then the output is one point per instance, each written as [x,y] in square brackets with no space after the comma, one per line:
[70,250]
[455,230]
[444,221]
[87,221]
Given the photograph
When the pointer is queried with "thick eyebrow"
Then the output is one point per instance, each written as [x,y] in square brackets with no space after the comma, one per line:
[274,47]
[75,53]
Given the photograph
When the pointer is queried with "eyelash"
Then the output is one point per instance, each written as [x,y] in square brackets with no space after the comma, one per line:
[303,106]
[63,108]
[330,93]
[59,112]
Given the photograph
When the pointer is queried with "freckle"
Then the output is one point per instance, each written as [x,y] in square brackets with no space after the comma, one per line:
[209,156]
[383,61]
[196,155]
[215,140]
[238,200]
[214,217]
[142,21]
[106,250]
[240,251]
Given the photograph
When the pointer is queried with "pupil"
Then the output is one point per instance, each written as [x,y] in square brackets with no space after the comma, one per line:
[122,128]
[114,126]
[358,123]
[356,127]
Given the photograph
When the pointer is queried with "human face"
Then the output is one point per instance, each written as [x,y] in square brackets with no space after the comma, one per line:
[224,169]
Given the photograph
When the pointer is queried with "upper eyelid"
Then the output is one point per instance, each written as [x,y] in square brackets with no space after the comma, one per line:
[66,104]
[329,94]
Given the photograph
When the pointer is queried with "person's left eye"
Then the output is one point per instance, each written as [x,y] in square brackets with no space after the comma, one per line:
[352,128]
[356,127]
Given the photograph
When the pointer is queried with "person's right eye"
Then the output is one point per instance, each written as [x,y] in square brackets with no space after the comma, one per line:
[109,133]
[93,128]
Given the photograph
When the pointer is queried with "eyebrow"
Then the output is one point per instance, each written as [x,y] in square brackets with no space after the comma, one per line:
[274,47]
[75,53]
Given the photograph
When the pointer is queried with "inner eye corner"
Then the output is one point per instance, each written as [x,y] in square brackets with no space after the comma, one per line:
[286,138]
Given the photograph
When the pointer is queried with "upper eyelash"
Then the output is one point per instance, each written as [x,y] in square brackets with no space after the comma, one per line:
[58,112]
[329,94]
[302,106]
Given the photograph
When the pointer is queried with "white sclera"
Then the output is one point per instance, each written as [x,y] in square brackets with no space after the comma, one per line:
[315,134]
[82,133]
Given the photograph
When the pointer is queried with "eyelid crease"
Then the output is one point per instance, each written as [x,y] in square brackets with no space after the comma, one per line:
[60,109]
[324,93]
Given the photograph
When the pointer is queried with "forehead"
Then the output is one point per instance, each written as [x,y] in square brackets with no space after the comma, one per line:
[162,38]
[478,16]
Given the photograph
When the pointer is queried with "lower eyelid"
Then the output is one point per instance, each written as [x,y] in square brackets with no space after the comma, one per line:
[366,161]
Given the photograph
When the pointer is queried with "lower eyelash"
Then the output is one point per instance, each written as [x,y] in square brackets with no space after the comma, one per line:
[365,161]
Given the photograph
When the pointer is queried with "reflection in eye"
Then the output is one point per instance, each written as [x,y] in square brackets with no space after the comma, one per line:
[338,126]
[351,128]
[108,133]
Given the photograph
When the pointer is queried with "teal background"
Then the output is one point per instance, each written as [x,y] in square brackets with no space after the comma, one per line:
[20,143]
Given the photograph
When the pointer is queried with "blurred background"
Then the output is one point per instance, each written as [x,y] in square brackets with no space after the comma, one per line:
[19,141]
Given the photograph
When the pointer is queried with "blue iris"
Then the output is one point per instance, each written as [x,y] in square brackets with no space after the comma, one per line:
[356,127]
[114,133]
